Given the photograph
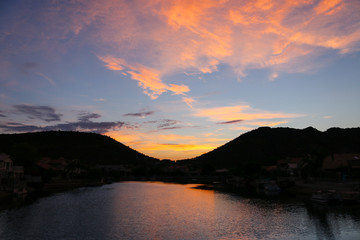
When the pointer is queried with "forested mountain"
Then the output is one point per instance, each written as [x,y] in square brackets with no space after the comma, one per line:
[90,148]
[266,145]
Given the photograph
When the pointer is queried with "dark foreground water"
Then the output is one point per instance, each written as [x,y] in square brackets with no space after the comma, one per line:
[140,210]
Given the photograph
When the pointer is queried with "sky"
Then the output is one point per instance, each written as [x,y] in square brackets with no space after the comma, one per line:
[175,79]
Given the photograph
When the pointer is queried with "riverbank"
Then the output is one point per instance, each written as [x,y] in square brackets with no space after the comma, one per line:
[53,187]
[307,188]
[348,192]
[67,184]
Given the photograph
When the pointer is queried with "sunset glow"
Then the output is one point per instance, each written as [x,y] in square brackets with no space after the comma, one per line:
[177,78]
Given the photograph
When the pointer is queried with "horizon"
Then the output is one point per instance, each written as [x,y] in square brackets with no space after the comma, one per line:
[177,79]
[309,127]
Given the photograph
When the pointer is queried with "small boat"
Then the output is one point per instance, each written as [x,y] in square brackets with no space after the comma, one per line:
[325,197]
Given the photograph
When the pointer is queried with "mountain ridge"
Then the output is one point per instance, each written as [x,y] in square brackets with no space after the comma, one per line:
[263,145]
[266,145]
[89,147]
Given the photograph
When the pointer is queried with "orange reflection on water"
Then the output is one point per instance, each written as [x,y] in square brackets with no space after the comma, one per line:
[160,208]
[151,210]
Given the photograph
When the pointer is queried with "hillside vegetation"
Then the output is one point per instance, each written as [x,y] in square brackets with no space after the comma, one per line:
[89,148]
[267,145]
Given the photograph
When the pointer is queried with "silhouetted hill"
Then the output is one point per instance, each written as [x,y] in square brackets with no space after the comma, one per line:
[90,148]
[265,145]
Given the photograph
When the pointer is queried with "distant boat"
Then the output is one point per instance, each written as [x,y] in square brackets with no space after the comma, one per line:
[325,197]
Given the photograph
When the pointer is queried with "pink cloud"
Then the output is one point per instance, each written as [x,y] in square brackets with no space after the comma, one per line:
[148,78]
[176,35]
[158,38]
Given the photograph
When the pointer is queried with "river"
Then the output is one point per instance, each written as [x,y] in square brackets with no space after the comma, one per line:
[153,210]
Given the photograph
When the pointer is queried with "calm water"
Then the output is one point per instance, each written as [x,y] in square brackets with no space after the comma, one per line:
[139,210]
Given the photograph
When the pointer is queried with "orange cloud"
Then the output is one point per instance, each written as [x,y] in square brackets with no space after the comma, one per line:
[176,151]
[174,137]
[172,146]
[176,35]
[190,14]
[273,76]
[267,124]
[178,89]
[287,34]
[242,128]
[148,79]
[128,136]
[189,101]
[113,63]
[178,147]
[250,125]
[328,7]
[198,36]
[123,136]
[217,140]
[203,41]
[239,112]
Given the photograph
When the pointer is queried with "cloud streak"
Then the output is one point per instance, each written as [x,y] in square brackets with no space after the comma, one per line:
[238,113]
[166,124]
[50,80]
[139,114]
[2,114]
[85,117]
[49,115]
[44,113]
[30,67]
[83,126]
[231,122]
[189,101]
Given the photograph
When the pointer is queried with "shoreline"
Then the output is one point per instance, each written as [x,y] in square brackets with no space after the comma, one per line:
[9,199]
[349,192]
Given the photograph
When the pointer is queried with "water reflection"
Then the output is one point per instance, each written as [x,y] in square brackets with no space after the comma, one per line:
[329,221]
[164,211]
[256,218]
[321,222]
[138,210]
